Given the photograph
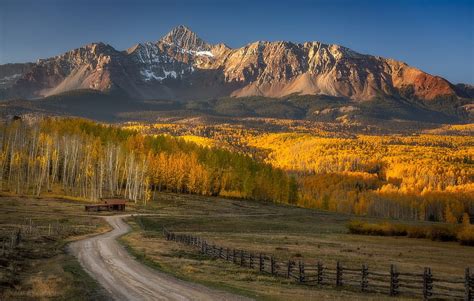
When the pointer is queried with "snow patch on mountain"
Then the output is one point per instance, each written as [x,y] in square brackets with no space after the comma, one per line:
[170,73]
[11,77]
[149,75]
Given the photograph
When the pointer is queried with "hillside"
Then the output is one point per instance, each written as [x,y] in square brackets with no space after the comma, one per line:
[389,113]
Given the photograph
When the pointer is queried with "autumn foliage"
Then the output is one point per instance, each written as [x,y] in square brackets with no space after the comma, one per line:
[414,177]
[440,232]
[82,158]
[420,177]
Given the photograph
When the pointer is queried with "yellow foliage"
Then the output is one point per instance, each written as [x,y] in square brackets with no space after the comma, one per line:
[418,177]
[202,141]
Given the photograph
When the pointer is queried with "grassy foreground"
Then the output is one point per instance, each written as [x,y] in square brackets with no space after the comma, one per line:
[38,268]
[287,232]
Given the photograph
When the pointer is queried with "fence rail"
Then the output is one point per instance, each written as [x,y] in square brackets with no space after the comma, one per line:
[12,236]
[392,282]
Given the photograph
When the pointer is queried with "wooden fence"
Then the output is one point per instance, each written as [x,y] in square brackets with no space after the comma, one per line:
[393,282]
[15,234]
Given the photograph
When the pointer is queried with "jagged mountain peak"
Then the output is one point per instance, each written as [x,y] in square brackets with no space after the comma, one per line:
[183,37]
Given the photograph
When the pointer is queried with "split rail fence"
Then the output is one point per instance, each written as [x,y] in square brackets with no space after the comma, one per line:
[11,237]
[424,284]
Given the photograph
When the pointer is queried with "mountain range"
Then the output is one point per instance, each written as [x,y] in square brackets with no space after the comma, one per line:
[182,67]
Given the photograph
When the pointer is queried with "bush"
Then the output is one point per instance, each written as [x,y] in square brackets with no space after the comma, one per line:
[442,233]
[356,227]
[466,235]
[385,229]
[417,232]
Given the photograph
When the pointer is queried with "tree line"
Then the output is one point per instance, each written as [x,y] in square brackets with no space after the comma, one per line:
[85,159]
[420,177]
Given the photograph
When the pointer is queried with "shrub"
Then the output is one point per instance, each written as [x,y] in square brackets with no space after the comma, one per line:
[356,227]
[417,232]
[466,235]
[385,229]
[442,233]
[394,229]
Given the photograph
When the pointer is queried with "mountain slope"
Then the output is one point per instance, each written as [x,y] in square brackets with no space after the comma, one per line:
[10,73]
[182,66]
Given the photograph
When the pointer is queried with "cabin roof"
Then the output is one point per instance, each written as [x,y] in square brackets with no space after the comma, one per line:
[114,201]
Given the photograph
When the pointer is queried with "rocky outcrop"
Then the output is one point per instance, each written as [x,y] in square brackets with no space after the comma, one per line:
[10,73]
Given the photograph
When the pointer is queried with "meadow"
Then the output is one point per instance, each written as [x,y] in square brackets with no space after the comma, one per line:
[38,266]
[287,232]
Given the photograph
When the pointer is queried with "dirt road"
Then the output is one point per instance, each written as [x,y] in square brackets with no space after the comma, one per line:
[126,279]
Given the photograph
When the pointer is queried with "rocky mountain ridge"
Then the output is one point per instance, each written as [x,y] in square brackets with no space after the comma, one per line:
[182,66]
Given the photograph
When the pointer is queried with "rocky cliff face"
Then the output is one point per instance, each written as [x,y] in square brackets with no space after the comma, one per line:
[10,73]
[182,65]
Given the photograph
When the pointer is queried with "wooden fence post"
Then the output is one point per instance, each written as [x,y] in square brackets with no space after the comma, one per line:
[18,237]
[394,284]
[272,265]
[260,263]
[251,260]
[320,273]
[289,269]
[468,284]
[338,274]
[427,283]
[364,281]
[221,252]
[234,257]
[301,272]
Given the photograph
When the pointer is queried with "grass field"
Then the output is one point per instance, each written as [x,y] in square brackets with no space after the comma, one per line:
[286,232]
[38,268]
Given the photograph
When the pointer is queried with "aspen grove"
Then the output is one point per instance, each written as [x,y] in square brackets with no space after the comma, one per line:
[84,159]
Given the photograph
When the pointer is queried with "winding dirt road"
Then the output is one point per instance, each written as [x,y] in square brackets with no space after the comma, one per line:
[124,278]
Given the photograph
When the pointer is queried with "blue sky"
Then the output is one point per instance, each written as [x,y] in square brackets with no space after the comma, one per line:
[435,36]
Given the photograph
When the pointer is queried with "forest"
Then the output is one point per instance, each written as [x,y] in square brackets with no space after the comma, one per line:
[85,159]
[427,176]
[412,174]
[418,177]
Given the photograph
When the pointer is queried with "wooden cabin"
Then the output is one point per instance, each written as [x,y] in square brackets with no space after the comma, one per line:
[108,205]
[115,204]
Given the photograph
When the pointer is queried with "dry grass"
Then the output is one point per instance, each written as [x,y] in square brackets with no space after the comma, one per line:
[291,232]
[38,268]
[185,263]
[286,232]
